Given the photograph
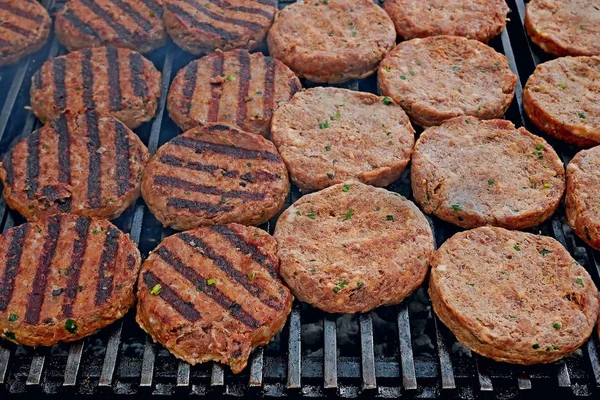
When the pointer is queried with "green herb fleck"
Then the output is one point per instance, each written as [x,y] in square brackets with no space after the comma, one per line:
[387,69]
[403,77]
[377,208]
[13,317]
[211,281]
[187,193]
[547,185]
[325,1]
[340,286]
[512,316]
[516,247]
[336,117]
[327,148]
[582,115]
[324,125]
[387,101]
[252,275]
[359,285]
[298,212]
[497,64]
[10,335]
[491,181]
[352,10]
[71,326]
[579,281]
[418,63]
[152,14]
[230,77]
[471,284]
[456,207]
[545,252]
[311,215]
[330,175]
[562,86]
[539,147]
[248,164]
[455,68]
[556,325]
[346,188]
[535,346]
[95,231]
[389,217]
[156,289]
[349,214]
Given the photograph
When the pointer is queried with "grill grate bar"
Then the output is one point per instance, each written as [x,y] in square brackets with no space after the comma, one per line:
[409,378]
[294,347]
[183,374]
[256,368]
[148,363]
[73,362]
[158,118]
[110,357]
[367,352]
[523,381]
[35,371]
[592,347]
[330,368]
[564,379]
[217,376]
[485,382]
[446,368]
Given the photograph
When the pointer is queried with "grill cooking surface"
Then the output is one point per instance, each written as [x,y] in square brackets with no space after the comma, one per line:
[390,352]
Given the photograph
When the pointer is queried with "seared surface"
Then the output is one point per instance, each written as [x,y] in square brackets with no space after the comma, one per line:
[64,277]
[213,175]
[441,77]
[512,296]
[235,87]
[213,293]
[353,247]
[84,163]
[331,41]
[24,28]
[117,81]
[473,173]
[330,135]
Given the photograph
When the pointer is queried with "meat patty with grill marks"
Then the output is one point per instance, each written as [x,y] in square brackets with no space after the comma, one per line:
[213,293]
[235,87]
[215,174]
[63,278]
[85,163]
[117,81]
[133,24]
[24,28]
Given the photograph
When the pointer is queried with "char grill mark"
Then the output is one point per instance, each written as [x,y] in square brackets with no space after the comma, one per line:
[87,74]
[61,128]
[122,172]
[247,10]
[95,160]
[186,310]
[178,183]
[201,146]
[107,266]
[269,93]
[114,82]
[17,29]
[272,3]
[133,13]
[252,26]
[211,291]
[73,271]
[59,68]
[197,206]
[13,262]
[294,86]
[4,43]
[244,78]
[38,290]
[33,164]
[216,89]
[189,87]
[22,13]
[120,30]
[203,26]
[173,161]
[156,8]
[136,68]
[79,24]
[8,166]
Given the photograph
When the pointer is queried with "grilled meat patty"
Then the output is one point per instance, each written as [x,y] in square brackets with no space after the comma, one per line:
[200,27]
[24,28]
[215,174]
[133,24]
[85,163]
[117,81]
[213,293]
[512,296]
[63,278]
[234,87]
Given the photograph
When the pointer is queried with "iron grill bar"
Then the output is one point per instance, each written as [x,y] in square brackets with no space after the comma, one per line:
[367,352]
[446,368]
[183,374]
[523,381]
[485,382]
[294,348]
[592,347]
[409,378]
[330,368]
[148,363]
[217,375]
[256,368]
[37,368]
[73,362]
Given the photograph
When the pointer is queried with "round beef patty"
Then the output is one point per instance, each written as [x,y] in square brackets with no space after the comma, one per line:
[564,27]
[84,163]
[475,19]
[441,77]
[562,97]
[133,24]
[353,247]
[331,41]
[117,81]
[330,135]
[213,175]
[24,28]
[213,293]
[512,296]
[63,278]
[235,87]
[200,27]
[473,173]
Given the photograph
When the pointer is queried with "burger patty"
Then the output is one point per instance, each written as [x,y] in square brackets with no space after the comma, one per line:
[353,247]
[200,26]
[117,81]
[564,27]
[438,78]
[213,293]
[562,97]
[473,173]
[329,135]
[235,87]
[85,163]
[24,28]
[63,278]
[475,19]
[215,174]
[512,296]
[331,41]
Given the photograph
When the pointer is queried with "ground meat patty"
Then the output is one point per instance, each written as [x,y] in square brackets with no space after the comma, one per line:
[119,81]
[331,41]
[353,247]
[512,296]
[63,278]
[235,87]
[475,19]
[441,77]
[200,26]
[330,135]
[213,175]
[213,293]
[562,97]
[24,28]
[473,173]
[564,27]
[133,24]
[84,163]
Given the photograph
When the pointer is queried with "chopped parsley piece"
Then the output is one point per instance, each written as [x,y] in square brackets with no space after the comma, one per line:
[389,217]
[377,208]
[187,193]
[535,346]
[455,68]
[579,281]
[248,164]
[539,154]
[325,1]
[298,212]
[562,86]
[491,181]
[330,175]
[418,63]
[582,115]
[10,335]
[467,122]
[252,275]
[516,247]
[512,316]
[156,289]
[346,188]
[352,10]
[456,207]
[323,125]
[211,281]
[539,147]
[387,69]
[556,325]
[152,14]
[360,285]
[352,30]
[95,231]
[71,326]
[545,252]
[387,101]
[547,185]
[311,215]
[13,317]
[230,77]
[349,214]
[403,77]
[497,64]
[340,286]
[336,117]
[327,148]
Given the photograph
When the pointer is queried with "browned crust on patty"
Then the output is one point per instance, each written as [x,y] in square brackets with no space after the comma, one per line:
[333,42]
[564,27]
[215,174]
[330,135]
[475,19]
[473,173]
[219,294]
[512,296]
[353,247]
[232,87]
[116,81]
[561,98]
[63,278]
